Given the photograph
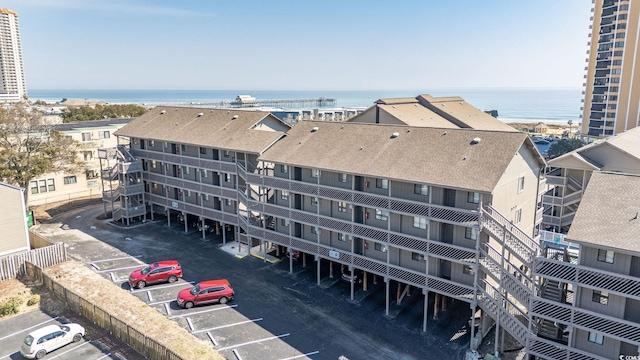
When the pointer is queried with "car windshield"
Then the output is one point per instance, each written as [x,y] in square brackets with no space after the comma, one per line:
[28,340]
[65,328]
[146,270]
[195,289]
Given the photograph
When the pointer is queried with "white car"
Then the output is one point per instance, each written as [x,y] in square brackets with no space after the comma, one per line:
[44,340]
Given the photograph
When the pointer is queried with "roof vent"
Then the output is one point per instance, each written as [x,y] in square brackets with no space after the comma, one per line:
[475,140]
[163,111]
[200,114]
[234,117]
[395,135]
[314,129]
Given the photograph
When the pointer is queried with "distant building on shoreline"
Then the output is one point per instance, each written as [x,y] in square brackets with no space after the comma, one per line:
[12,84]
[611,102]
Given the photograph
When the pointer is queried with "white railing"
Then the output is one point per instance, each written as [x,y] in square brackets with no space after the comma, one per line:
[12,266]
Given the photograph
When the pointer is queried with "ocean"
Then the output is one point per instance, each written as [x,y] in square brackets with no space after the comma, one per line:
[554,106]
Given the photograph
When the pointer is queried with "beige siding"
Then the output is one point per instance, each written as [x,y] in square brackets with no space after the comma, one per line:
[507,198]
[14,228]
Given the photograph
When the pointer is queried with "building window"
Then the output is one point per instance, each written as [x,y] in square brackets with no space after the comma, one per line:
[91,174]
[284,222]
[601,297]
[183,148]
[88,155]
[106,135]
[343,178]
[186,170]
[86,136]
[520,184]
[68,180]
[227,177]
[314,230]
[382,183]
[34,187]
[227,202]
[342,237]
[203,151]
[467,270]
[314,201]
[378,246]
[154,164]
[518,216]
[284,169]
[417,257]
[605,256]
[284,195]
[342,206]
[596,338]
[471,233]
[204,173]
[380,215]
[419,222]
[205,197]
[421,189]
[51,185]
[315,173]
[473,197]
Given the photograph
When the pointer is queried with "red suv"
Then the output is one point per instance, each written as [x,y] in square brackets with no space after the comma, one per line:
[161,271]
[206,292]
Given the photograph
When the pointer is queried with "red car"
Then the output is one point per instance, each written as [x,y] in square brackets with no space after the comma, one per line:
[206,292]
[161,271]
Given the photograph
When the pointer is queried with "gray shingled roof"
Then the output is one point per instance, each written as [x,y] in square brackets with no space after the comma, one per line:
[608,212]
[435,156]
[91,124]
[215,128]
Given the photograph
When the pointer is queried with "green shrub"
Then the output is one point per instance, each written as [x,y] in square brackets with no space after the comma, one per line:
[10,306]
[33,300]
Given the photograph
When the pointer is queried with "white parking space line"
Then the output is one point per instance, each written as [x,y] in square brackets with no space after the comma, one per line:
[215,343]
[235,352]
[149,295]
[120,258]
[29,328]
[254,341]
[229,325]
[58,355]
[161,302]
[113,278]
[122,268]
[205,311]
[302,355]
[190,324]
[166,307]
[102,357]
[163,287]
[8,356]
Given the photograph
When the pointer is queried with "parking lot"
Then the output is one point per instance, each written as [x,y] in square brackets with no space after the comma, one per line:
[275,314]
[15,329]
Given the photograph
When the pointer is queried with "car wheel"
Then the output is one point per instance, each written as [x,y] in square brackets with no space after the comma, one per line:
[40,354]
[77,337]
[188,305]
[141,284]
[223,300]
[173,278]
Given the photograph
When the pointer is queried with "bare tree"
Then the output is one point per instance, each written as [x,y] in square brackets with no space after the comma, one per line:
[30,149]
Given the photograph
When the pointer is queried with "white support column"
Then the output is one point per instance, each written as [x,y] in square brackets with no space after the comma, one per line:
[426,310]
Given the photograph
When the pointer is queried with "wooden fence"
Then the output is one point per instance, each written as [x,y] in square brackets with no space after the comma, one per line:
[137,340]
[13,266]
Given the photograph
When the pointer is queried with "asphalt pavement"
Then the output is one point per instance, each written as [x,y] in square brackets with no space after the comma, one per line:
[297,318]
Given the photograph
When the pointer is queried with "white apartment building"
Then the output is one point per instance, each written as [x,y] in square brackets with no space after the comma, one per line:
[12,84]
[57,187]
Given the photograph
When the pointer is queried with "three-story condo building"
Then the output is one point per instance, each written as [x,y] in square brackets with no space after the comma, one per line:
[449,211]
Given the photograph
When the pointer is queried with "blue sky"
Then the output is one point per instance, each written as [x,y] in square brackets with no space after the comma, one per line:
[301,44]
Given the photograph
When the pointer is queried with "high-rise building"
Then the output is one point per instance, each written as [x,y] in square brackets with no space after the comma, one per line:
[12,84]
[612,87]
